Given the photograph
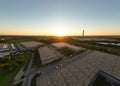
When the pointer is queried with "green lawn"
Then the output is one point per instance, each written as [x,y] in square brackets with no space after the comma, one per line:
[27,60]
[36,60]
[66,52]
[6,77]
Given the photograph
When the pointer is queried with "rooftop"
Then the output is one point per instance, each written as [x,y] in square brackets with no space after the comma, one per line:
[62,45]
[48,55]
[79,70]
[31,44]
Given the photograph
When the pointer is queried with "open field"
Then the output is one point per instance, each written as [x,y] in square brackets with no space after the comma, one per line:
[36,60]
[6,78]
[66,52]
[31,44]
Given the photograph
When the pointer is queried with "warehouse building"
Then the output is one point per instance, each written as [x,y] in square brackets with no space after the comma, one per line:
[62,45]
[4,47]
[31,45]
[3,54]
[7,49]
[48,55]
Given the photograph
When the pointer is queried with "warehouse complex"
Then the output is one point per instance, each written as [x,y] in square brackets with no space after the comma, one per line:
[55,69]
[6,49]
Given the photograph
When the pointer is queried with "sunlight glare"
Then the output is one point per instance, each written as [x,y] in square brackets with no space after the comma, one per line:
[60,33]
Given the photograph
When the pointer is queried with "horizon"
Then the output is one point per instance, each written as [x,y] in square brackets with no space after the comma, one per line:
[60,18]
[65,36]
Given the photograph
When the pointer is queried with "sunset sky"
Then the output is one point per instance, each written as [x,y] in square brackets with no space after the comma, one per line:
[49,17]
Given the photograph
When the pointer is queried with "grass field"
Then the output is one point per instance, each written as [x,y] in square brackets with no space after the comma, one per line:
[36,60]
[95,46]
[6,77]
[66,52]
[27,60]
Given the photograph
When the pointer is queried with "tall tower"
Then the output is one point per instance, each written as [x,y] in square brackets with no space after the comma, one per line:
[83,33]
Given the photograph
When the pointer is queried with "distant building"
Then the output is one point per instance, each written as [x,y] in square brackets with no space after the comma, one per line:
[4,47]
[31,45]
[83,33]
[7,49]
[3,54]
[13,48]
[64,45]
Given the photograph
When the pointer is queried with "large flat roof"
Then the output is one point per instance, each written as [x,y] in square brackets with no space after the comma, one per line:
[70,46]
[48,55]
[2,54]
[79,70]
[4,47]
[31,44]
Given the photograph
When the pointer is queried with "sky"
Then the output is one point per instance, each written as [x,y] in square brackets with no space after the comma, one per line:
[49,17]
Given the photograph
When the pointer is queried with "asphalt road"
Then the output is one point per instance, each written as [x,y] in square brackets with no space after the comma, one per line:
[26,81]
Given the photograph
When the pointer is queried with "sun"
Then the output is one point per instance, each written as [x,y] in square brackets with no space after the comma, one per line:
[60,33]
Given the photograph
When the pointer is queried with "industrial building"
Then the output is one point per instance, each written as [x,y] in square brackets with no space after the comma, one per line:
[62,45]
[31,45]
[6,49]
[48,55]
